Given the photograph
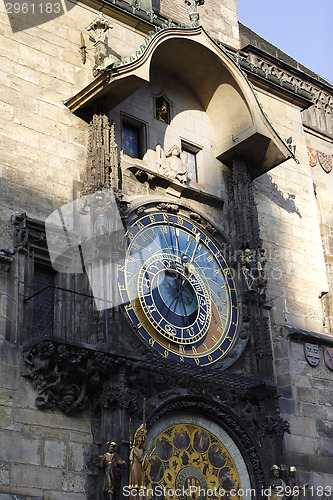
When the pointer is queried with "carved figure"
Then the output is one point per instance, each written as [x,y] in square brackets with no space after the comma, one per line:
[138,462]
[174,165]
[249,270]
[253,269]
[98,28]
[261,264]
[162,112]
[293,489]
[112,464]
[277,485]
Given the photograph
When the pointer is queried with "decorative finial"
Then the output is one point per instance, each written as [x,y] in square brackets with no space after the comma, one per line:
[194,14]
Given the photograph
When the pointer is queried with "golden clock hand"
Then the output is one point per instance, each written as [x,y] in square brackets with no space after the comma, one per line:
[197,239]
[171,239]
[177,240]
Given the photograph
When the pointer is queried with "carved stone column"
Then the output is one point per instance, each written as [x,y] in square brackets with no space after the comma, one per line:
[102,160]
[242,209]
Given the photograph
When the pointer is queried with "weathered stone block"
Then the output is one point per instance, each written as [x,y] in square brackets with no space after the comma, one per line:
[8,376]
[325,428]
[75,457]
[6,416]
[303,426]
[4,474]
[55,495]
[31,476]
[54,454]
[19,448]
[300,444]
[52,419]
[73,482]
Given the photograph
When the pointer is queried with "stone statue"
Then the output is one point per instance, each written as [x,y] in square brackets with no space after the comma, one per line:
[138,462]
[98,28]
[162,112]
[253,270]
[262,277]
[277,485]
[249,270]
[174,164]
[292,490]
[112,464]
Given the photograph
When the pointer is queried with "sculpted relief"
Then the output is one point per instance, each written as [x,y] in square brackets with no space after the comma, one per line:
[172,163]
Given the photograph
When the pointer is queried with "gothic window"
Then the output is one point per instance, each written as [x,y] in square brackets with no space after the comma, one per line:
[191,152]
[43,301]
[133,137]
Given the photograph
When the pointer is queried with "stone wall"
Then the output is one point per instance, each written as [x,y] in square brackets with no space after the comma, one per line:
[295,222]
[43,454]
[42,145]
[289,226]
[306,403]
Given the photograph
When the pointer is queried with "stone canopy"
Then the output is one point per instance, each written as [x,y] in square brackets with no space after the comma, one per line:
[193,57]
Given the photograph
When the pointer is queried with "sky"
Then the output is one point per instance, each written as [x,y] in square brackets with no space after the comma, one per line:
[301,28]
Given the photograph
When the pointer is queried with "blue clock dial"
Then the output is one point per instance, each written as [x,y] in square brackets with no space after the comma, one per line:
[178,290]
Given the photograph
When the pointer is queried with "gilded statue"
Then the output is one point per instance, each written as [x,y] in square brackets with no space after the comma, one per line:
[277,485]
[293,490]
[138,462]
[112,464]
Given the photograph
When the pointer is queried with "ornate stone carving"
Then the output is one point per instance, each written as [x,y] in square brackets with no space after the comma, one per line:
[66,376]
[321,114]
[6,258]
[99,27]
[172,163]
[27,231]
[168,207]
[194,14]
[102,159]
[263,338]
[253,270]
[242,209]
[145,5]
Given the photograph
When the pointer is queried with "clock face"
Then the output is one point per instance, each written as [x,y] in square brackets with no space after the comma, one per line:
[178,291]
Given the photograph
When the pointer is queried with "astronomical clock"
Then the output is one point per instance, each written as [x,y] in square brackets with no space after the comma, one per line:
[177,289]
[188,459]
